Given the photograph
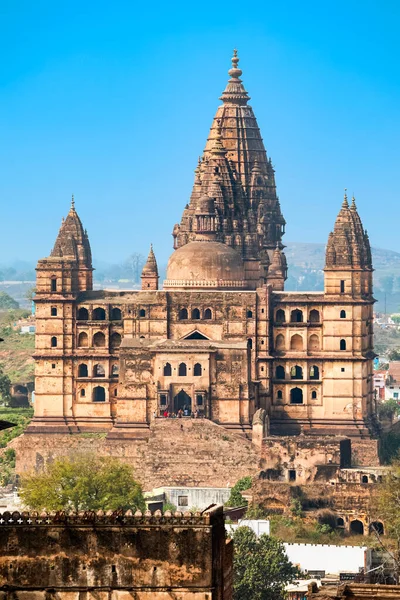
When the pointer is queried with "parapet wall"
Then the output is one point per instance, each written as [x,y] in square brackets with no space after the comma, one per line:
[180,555]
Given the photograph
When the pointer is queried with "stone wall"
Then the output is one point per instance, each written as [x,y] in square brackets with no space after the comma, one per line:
[116,556]
[200,454]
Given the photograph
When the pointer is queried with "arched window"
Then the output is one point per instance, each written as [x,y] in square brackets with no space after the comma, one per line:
[83,340]
[313,395]
[296,372]
[115,340]
[340,522]
[280,372]
[167,370]
[357,527]
[280,316]
[99,314]
[343,344]
[249,343]
[116,314]
[249,314]
[98,371]
[115,392]
[82,314]
[364,479]
[99,339]
[54,342]
[342,314]
[83,393]
[377,527]
[208,313]
[279,342]
[296,316]
[114,371]
[53,284]
[314,316]
[279,395]
[195,313]
[314,372]
[142,312]
[82,370]
[197,370]
[296,342]
[182,370]
[99,394]
[183,314]
[313,342]
[53,311]
[296,396]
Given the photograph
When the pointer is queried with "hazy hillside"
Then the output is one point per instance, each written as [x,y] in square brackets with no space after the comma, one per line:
[305,260]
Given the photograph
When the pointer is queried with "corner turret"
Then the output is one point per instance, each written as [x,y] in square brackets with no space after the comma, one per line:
[348,262]
[68,269]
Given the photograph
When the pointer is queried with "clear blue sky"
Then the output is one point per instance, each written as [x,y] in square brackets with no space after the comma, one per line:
[112,101]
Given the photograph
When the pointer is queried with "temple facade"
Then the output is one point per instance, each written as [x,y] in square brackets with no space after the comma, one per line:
[221,338]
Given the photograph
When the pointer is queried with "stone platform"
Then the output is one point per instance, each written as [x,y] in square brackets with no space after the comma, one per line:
[198,454]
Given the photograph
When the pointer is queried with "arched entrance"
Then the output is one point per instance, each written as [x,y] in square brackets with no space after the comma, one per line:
[182,401]
[357,527]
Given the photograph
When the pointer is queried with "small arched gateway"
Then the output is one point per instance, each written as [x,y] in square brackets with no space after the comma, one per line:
[357,527]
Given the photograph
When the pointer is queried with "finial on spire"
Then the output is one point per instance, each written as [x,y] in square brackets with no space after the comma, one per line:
[353,203]
[72,203]
[345,202]
[235,72]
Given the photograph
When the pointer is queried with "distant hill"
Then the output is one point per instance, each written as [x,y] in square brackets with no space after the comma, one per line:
[306,262]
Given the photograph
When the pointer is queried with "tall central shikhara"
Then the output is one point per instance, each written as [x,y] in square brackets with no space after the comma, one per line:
[238,180]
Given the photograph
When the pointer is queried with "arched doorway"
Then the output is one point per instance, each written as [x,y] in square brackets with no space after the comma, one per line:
[357,527]
[182,401]
[377,527]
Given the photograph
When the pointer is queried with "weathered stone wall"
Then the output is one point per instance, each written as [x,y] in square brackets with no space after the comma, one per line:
[115,556]
[200,453]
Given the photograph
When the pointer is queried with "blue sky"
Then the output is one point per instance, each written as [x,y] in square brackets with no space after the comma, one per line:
[113,102]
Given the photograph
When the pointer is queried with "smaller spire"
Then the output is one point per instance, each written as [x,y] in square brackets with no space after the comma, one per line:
[150,272]
[345,201]
[353,203]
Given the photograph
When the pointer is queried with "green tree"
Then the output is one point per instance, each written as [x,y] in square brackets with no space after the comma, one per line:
[83,482]
[5,385]
[261,568]
[236,498]
[388,409]
[6,302]
[385,509]
[394,355]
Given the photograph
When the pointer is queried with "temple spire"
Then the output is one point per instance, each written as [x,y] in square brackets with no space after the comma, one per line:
[150,272]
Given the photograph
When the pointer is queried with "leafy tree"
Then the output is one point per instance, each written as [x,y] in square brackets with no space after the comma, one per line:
[395,318]
[261,568]
[236,498]
[5,385]
[6,302]
[83,482]
[385,508]
[388,409]
[394,355]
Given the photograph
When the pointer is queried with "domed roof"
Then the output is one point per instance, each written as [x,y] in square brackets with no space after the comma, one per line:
[205,265]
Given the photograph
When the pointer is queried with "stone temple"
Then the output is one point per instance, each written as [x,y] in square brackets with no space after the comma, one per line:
[221,338]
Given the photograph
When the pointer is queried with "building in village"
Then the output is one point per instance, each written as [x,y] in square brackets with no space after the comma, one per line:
[284,380]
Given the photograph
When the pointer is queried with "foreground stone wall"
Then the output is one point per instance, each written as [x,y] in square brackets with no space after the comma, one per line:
[116,556]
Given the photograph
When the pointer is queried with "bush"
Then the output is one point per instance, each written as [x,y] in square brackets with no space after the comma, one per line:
[236,498]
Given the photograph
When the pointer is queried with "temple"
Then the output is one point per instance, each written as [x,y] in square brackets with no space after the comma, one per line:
[222,338]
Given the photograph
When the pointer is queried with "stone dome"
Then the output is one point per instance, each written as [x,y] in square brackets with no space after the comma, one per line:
[202,264]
